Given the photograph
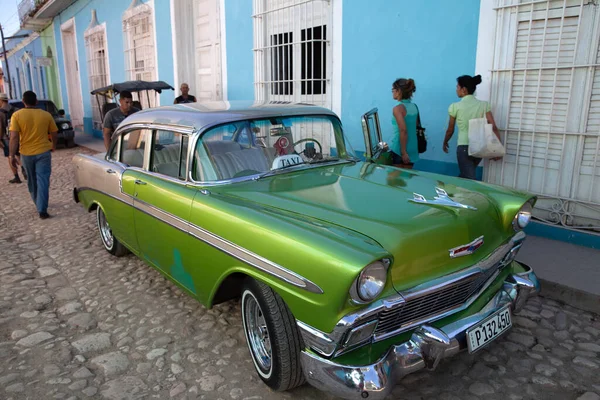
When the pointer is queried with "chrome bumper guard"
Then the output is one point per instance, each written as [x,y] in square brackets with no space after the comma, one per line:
[425,349]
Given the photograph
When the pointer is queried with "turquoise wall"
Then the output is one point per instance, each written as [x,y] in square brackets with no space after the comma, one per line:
[111,13]
[431,41]
[240,59]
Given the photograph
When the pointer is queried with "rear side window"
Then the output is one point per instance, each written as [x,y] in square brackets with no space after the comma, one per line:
[133,144]
[169,154]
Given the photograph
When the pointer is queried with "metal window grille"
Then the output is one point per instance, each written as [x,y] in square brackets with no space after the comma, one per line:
[546,102]
[138,33]
[292,51]
[95,45]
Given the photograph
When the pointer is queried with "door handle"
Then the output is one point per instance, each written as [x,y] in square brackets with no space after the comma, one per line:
[138,182]
[111,171]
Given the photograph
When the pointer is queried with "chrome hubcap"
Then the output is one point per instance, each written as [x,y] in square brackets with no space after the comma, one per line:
[258,334]
[105,231]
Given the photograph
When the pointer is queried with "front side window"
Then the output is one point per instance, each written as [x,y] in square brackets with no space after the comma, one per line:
[251,147]
[169,154]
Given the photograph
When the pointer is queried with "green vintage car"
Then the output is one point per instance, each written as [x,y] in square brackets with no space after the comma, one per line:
[351,274]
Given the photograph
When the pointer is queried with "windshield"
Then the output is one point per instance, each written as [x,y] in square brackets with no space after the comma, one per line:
[42,105]
[271,145]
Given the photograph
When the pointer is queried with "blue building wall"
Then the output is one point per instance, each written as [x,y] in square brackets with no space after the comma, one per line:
[34,79]
[111,13]
[240,41]
[432,42]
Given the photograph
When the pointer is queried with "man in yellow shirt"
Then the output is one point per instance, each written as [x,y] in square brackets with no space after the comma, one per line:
[29,129]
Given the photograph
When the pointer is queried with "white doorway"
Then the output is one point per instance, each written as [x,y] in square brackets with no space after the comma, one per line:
[71,58]
[198,56]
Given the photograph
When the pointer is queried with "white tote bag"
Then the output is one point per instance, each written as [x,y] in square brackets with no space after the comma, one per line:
[483,142]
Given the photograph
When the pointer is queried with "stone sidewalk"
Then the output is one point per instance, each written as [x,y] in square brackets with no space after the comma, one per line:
[77,323]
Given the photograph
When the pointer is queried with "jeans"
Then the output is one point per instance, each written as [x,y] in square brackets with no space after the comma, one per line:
[38,169]
[466,164]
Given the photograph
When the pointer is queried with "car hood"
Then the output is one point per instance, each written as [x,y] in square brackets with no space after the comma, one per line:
[375,201]
[60,120]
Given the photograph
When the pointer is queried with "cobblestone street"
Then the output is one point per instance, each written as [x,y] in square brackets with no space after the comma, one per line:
[78,323]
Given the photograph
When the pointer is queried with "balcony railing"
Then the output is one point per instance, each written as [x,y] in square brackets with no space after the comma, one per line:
[28,8]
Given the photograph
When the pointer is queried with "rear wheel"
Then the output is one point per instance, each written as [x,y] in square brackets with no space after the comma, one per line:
[272,337]
[111,243]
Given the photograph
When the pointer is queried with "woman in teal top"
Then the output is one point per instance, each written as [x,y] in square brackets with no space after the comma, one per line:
[404,146]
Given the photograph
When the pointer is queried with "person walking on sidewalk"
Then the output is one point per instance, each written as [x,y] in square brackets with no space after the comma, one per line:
[114,117]
[6,112]
[468,108]
[404,145]
[29,129]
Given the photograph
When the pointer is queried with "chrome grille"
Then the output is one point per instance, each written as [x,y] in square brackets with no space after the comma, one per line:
[428,305]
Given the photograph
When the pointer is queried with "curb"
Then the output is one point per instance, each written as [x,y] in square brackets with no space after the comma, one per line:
[573,297]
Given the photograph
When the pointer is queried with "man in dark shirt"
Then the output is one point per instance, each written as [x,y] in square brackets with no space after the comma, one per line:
[114,117]
[185,96]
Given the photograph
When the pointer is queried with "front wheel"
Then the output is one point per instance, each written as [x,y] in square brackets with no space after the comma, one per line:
[272,337]
[111,243]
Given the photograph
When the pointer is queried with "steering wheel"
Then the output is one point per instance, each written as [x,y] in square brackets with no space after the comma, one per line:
[311,154]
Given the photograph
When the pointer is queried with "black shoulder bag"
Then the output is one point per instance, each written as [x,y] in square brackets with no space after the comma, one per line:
[421,140]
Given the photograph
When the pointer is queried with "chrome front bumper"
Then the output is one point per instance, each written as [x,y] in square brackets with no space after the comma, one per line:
[426,347]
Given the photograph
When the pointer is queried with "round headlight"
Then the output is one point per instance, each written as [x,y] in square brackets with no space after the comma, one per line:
[523,217]
[65,126]
[372,280]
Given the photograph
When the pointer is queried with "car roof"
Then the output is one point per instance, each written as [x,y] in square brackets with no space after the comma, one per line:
[206,114]
[39,101]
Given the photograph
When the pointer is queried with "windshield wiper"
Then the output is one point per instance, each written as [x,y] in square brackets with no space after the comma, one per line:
[333,159]
[275,171]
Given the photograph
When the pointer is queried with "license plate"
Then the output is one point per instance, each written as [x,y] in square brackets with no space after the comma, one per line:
[489,329]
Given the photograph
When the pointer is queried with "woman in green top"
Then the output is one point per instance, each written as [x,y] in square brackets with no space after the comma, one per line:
[404,147]
[461,113]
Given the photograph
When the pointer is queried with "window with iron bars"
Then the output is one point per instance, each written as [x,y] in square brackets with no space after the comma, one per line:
[292,51]
[138,32]
[95,44]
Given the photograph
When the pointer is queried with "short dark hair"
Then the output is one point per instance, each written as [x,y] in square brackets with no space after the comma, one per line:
[29,98]
[125,94]
[469,82]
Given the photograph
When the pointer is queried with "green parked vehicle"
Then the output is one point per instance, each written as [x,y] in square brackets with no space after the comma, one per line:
[351,274]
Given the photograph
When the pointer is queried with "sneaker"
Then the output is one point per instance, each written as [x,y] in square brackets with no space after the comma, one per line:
[16,179]
[23,172]
[44,215]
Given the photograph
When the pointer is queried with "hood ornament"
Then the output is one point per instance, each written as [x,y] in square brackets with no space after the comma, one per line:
[466,249]
[442,199]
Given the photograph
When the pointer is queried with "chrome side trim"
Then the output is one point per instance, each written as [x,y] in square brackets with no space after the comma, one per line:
[224,245]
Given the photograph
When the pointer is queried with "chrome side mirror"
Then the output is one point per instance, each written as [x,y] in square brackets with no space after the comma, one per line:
[382,147]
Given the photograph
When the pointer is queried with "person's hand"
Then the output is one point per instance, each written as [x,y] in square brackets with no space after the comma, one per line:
[445,147]
[14,162]
[405,158]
